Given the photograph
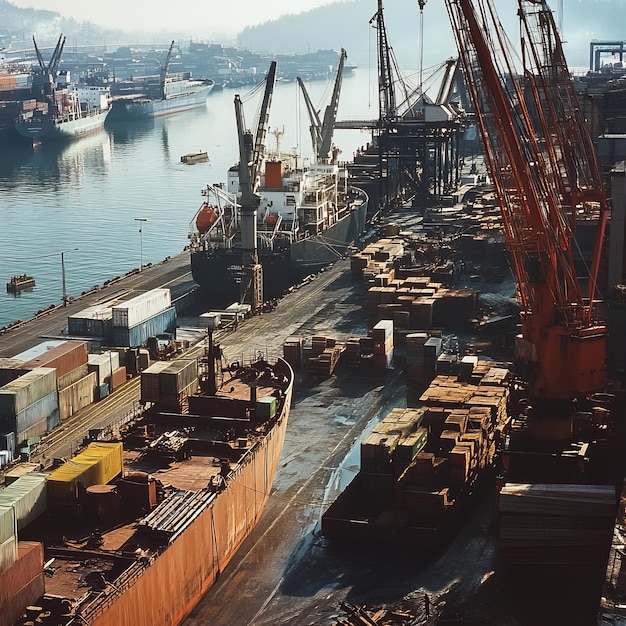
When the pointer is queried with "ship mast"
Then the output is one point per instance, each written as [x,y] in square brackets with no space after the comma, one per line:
[251,154]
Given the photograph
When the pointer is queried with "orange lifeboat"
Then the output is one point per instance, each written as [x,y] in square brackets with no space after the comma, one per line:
[206,218]
[271,219]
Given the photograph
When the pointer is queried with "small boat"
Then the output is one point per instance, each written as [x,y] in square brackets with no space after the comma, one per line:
[194,157]
[17,283]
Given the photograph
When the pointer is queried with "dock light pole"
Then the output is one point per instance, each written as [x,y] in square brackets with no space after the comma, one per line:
[63,273]
[141,220]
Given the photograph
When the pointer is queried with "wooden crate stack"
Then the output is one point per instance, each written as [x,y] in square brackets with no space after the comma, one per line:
[322,356]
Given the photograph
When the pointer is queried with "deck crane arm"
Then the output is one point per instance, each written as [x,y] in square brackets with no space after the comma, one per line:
[322,130]
[316,124]
[165,68]
[251,154]
[562,341]
[386,92]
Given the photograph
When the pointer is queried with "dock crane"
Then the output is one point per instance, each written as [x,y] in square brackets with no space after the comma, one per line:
[251,154]
[544,172]
[322,130]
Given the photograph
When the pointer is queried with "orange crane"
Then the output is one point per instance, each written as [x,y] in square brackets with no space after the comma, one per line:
[545,174]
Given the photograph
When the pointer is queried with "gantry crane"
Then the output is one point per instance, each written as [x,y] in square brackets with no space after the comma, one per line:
[322,130]
[545,174]
[251,154]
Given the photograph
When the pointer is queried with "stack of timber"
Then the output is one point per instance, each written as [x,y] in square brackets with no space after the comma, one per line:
[292,352]
[417,303]
[420,467]
[555,523]
[422,357]
[613,599]
[321,356]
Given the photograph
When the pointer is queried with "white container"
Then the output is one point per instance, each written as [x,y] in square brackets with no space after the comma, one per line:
[141,308]
[39,349]
[103,364]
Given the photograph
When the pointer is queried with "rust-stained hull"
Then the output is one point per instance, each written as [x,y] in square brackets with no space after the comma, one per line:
[167,591]
[152,568]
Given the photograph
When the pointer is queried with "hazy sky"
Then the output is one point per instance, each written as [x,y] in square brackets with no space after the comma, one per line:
[193,17]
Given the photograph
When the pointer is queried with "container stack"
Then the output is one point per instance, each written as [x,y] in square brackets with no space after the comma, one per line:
[108,372]
[75,385]
[321,357]
[146,315]
[8,537]
[29,406]
[168,384]
[95,321]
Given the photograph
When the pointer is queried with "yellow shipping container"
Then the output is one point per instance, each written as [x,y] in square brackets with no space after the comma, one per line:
[98,464]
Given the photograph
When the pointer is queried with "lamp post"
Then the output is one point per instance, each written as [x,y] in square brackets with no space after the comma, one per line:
[141,220]
[63,273]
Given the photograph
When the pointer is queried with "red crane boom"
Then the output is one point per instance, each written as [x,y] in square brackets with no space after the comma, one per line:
[544,170]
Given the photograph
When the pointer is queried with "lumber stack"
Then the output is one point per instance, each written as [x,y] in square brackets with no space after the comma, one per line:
[555,523]
[322,356]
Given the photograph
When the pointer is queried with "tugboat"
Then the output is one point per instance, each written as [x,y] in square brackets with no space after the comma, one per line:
[17,283]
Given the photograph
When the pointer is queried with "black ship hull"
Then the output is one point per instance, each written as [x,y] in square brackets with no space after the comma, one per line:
[219,271]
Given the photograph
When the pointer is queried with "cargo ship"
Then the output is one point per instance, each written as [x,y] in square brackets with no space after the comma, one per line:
[307,218]
[182,93]
[73,111]
[136,530]
[153,96]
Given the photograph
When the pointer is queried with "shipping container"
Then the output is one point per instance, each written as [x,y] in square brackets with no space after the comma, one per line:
[22,584]
[53,421]
[26,390]
[150,387]
[95,321]
[141,308]
[19,470]
[38,350]
[103,364]
[8,553]
[118,377]
[73,376]
[178,375]
[28,498]
[10,369]
[8,522]
[7,441]
[63,357]
[138,335]
[77,396]
[33,420]
[98,464]
[6,456]
[266,407]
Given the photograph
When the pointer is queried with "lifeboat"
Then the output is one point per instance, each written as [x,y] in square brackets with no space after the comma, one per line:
[206,218]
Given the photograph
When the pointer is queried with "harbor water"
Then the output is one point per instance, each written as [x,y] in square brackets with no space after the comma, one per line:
[104,204]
